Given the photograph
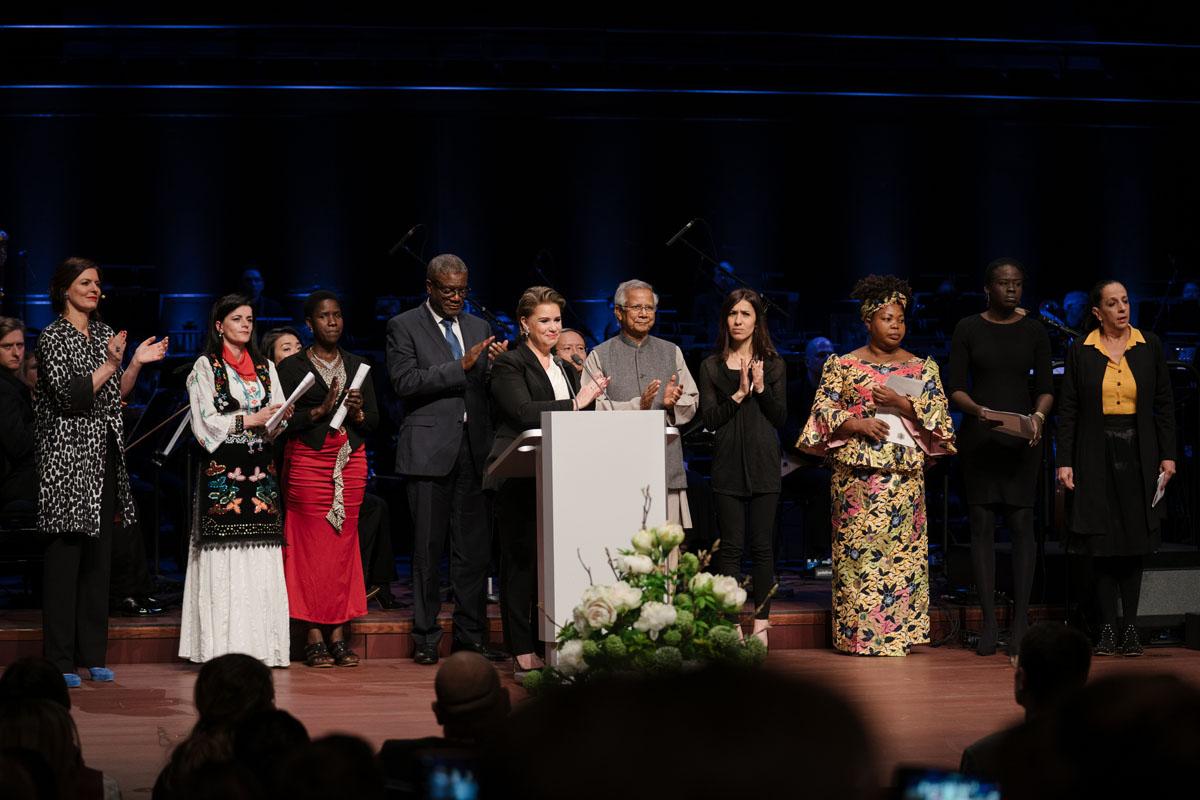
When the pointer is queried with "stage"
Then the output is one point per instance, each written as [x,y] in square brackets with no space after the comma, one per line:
[922,709]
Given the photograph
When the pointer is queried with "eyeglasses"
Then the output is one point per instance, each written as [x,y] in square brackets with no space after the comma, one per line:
[451,291]
[639,309]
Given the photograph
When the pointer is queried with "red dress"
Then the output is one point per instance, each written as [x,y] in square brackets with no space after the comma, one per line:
[322,565]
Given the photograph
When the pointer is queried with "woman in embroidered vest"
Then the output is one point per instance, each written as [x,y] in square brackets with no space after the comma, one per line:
[84,487]
[743,400]
[1116,445]
[880,543]
[234,597]
[325,477]
[525,381]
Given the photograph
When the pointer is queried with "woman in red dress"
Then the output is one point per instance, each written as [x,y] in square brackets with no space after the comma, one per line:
[325,475]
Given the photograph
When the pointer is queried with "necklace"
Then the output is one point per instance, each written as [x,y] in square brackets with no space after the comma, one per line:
[330,365]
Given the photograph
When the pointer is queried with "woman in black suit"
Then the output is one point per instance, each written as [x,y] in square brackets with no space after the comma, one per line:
[1116,437]
[743,400]
[524,382]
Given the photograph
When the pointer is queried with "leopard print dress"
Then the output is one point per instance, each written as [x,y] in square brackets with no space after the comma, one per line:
[72,427]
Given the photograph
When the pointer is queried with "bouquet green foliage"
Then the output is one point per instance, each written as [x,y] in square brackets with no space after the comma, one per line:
[664,612]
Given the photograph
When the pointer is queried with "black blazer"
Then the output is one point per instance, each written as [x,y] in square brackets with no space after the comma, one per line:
[520,393]
[1081,428]
[292,371]
[436,392]
[746,455]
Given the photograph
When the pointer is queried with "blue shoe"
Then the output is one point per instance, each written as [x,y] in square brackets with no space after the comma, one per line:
[101,674]
[73,681]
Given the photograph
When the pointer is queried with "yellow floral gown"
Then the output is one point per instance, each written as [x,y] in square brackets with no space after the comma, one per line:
[880,541]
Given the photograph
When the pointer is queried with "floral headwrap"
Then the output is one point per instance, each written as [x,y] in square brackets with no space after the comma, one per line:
[869,307]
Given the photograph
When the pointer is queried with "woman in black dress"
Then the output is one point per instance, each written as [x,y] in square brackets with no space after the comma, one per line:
[991,357]
[524,382]
[743,400]
[1116,444]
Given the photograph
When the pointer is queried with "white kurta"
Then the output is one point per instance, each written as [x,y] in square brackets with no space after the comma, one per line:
[234,596]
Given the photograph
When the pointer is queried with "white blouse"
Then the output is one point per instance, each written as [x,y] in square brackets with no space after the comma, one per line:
[558,381]
[212,427]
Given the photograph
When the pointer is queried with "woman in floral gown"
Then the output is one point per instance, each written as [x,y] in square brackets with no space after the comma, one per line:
[880,544]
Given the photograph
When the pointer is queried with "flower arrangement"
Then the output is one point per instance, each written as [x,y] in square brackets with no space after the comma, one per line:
[664,612]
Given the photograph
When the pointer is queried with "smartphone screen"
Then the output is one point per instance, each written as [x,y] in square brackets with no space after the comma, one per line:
[937,784]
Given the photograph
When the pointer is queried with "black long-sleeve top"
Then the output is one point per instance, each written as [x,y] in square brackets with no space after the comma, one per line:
[312,432]
[746,455]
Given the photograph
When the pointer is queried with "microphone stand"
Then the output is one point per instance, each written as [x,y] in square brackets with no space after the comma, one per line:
[767,301]
[495,322]
[1058,326]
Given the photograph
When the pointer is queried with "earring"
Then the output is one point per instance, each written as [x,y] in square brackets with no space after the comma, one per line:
[220,334]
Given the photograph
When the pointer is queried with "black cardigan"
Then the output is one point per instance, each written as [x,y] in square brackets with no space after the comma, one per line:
[1081,428]
[520,393]
[292,371]
[746,458]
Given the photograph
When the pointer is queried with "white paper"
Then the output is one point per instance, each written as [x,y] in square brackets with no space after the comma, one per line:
[1161,490]
[304,386]
[897,430]
[339,416]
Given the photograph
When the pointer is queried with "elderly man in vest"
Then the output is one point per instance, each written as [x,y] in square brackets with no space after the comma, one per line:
[648,373]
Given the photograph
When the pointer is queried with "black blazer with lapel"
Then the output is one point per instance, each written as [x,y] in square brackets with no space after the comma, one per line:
[436,392]
[292,371]
[1081,428]
[520,393]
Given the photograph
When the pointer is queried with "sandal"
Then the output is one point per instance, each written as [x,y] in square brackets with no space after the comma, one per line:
[316,655]
[343,656]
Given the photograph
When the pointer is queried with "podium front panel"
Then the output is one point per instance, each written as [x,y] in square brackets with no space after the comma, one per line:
[592,470]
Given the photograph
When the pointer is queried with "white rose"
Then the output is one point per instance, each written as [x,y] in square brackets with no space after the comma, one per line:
[635,564]
[570,657]
[598,608]
[654,617]
[643,541]
[727,592]
[625,597]
[580,619]
[670,535]
[701,581]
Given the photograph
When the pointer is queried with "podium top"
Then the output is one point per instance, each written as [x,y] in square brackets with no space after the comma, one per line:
[519,459]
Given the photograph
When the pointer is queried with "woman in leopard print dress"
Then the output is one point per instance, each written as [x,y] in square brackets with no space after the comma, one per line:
[84,487]
[234,596]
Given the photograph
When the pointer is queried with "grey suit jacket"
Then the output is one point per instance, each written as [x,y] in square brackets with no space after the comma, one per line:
[436,391]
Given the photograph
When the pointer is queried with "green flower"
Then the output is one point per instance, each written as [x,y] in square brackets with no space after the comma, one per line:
[614,648]
[724,638]
[755,650]
[533,681]
[689,564]
[672,638]
[668,659]
[685,622]
[590,650]
[683,600]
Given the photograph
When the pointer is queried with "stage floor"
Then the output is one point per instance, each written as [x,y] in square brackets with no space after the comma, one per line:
[923,709]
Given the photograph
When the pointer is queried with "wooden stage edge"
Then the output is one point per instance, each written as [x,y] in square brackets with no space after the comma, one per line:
[388,634]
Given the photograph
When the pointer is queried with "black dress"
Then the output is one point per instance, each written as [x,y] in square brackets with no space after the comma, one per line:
[992,361]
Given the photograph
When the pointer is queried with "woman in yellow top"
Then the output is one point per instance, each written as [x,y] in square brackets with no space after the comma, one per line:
[880,546]
[1116,436]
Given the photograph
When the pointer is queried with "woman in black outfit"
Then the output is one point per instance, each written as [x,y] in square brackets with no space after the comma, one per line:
[1116,437]
[743,400]
[524,382]
[991,357]
[18,476]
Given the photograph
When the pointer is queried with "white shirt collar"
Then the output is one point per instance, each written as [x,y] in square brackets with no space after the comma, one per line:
[437,317]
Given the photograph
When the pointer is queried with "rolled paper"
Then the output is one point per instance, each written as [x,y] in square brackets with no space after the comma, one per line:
[340,415]
[304,386]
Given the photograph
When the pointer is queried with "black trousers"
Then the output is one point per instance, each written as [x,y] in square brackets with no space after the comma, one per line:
[732,513]
[982,519]
[76,571]
[375,541]
[450,508]
[516,519]
[130,574]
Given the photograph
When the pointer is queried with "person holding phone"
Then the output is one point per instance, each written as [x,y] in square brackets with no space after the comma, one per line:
[880,542]
[1116,447]
[992,355]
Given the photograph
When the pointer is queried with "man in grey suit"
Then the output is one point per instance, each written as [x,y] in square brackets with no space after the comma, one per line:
[438,367]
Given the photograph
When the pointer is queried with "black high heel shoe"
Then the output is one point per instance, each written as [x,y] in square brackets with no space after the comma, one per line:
[1131,643]
[1107,646]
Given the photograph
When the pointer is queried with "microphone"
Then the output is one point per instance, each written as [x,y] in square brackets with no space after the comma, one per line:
[398,245]
[679,234]
[579,362]
[562,367]
[1053,321]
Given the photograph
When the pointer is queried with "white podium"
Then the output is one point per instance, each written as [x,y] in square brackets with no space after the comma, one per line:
[591,469]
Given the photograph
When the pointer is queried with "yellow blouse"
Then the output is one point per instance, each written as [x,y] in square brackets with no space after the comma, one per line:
[1118,394]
